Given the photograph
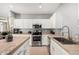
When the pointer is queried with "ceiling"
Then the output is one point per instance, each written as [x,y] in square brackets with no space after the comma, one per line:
[31,10]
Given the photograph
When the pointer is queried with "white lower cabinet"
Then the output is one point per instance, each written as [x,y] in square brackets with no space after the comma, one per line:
[23,50]
[56,49]
[44,40]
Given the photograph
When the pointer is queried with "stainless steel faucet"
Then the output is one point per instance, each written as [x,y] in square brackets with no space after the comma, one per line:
[67,32]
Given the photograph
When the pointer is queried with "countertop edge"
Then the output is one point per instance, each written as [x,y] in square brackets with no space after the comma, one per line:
[10,53]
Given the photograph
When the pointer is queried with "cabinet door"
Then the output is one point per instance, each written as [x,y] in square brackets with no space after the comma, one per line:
[26,48]
[56,49]
[53,48]
[23,49]
[45,40]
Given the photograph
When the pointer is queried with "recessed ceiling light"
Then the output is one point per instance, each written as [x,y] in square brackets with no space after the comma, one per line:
[11,7]
[40,5]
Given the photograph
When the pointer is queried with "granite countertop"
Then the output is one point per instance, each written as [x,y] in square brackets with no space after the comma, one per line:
[9,47]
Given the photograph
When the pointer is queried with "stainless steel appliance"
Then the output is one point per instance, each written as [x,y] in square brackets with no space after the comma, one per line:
[37,35]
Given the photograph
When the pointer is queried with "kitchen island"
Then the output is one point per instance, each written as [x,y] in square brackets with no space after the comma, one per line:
[11,47]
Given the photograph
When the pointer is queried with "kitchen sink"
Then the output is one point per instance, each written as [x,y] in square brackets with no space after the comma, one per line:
[64,40]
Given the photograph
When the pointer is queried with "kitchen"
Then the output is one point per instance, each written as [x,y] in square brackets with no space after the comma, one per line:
[39,29]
